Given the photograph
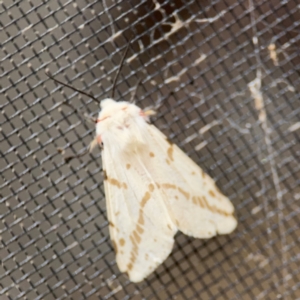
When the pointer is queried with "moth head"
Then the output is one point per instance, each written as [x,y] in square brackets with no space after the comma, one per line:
[117,110]
[121,124]
[107,103]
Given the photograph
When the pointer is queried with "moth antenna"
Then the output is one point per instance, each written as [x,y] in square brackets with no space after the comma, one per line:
[71,87]
[119,70]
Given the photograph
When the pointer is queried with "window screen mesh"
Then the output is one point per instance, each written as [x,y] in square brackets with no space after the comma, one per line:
[226,76]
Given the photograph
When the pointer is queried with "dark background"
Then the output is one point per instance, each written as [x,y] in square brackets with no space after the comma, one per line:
[227,76]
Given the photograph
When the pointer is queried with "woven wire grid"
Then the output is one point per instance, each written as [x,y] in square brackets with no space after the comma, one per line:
[226,75]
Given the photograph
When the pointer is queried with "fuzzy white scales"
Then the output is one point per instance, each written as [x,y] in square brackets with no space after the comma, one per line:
[153,189]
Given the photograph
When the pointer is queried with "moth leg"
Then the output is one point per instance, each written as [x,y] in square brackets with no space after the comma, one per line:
[149,112]
[88,149]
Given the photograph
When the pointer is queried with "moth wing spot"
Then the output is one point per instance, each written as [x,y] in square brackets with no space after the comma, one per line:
[137,237]
[139,229]
[151,154]
[104,175]
[168,186]
[141,217]
[184,193]
[200,202]
[212,193]
[114,181]
[170,153]
[128,166]
[145,199]
[151,187]
[122,242]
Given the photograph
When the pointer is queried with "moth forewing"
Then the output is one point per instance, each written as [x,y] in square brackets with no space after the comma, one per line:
[153,189]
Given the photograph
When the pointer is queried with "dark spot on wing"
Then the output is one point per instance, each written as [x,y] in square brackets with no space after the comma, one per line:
[104,175]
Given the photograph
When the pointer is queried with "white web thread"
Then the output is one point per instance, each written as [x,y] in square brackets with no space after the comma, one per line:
[256,93]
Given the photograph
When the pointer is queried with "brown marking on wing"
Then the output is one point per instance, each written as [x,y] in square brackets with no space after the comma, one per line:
[205,202]
[184,193]
[212,193]
[132,240]
[129,266]
[151,154]
[168,186]
[169,226]
[222,212]
[104,175]
[111,224]
[145,199]
[122,242]
[170,153]
[141,217]
[176,197]
[214,209]
[167,161]
[117,183]
[136,236]
[114,182]
[136,239]
[151,187]
[176,223]
[139,229]
[128,166]
[157,185]
[193,173]
[203,173]
[200,202]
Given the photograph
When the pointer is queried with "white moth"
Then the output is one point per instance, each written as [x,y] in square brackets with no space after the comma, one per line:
[152,190]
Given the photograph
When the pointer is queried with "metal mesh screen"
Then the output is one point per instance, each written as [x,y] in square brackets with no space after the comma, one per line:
[227,76]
